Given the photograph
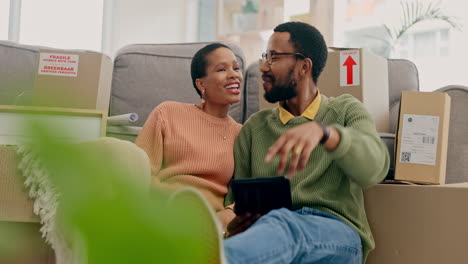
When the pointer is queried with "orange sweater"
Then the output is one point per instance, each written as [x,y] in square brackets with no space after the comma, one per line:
[188,147]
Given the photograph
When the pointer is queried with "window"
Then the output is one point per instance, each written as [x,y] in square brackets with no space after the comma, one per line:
[437,49]
[4,15]
[66,24]
[430,44]
[424,44]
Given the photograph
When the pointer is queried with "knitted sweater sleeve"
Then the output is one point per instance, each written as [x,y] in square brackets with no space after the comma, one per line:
[242,152]
[150,140]
[361,154]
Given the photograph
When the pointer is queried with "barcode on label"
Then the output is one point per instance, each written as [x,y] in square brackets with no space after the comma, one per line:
[405,157]
[428,140]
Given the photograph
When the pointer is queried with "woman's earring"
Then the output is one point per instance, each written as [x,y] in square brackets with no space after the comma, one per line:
[202,105]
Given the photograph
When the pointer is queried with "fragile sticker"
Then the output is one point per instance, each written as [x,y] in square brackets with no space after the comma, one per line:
[58,64]
[350,68]
[419,139]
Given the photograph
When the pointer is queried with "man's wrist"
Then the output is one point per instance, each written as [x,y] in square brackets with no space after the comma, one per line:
[326,133]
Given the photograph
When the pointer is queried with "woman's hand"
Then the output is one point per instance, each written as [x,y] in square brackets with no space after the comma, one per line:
[225,216]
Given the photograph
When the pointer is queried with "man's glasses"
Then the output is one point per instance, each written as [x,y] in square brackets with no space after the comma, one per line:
[268,56]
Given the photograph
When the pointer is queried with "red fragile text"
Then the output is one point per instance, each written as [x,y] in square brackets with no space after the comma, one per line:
[59,57]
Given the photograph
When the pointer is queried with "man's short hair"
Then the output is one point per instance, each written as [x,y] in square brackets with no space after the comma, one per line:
[308,41]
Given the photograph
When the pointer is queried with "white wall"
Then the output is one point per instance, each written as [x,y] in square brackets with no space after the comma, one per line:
[442,71]
[4,12]
[143,21]
[67,24]
[434,71]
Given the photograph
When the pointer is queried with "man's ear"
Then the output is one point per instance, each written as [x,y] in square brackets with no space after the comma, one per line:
[306,66]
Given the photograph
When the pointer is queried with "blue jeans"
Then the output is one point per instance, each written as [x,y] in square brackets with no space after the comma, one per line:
[303,236]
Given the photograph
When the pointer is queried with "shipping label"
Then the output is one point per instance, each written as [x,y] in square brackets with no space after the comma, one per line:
[350,68]
[419,139]
[59,64]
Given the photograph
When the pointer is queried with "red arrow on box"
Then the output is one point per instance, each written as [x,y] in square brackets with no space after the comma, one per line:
[349,63]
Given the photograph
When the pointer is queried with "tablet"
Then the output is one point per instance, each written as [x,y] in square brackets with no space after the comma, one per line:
[261,195]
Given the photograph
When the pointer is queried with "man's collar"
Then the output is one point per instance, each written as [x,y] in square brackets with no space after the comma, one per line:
[310,112]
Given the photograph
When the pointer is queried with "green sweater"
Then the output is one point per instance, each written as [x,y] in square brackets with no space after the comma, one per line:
[332,181]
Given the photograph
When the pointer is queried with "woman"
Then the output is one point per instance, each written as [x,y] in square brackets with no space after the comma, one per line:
[192,145]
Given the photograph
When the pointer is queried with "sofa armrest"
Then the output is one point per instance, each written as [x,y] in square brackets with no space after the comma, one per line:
[128,133]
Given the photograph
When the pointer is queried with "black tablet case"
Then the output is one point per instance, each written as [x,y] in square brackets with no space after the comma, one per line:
[260,195]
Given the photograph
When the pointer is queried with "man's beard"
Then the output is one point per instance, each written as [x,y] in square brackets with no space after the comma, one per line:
[282,92]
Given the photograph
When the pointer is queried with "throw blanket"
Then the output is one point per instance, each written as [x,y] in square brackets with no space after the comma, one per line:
[45,199]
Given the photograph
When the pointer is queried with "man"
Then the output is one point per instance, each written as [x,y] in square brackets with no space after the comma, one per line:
[328,147]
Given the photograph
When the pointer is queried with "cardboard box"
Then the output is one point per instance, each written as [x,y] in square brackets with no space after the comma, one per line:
[72,79]
[418,224]
[75,125]
[361,74]
[422,137]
